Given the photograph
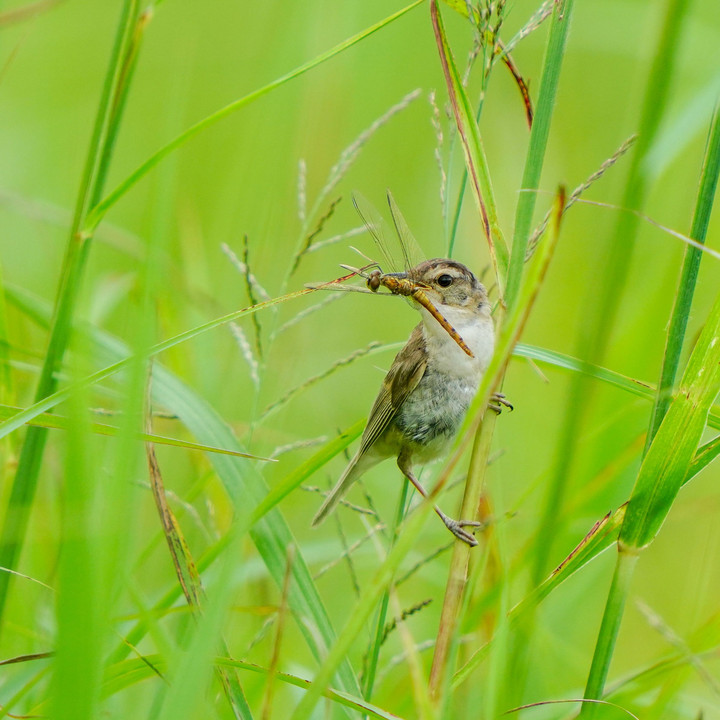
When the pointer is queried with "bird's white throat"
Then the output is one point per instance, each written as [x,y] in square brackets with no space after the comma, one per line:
[445,355]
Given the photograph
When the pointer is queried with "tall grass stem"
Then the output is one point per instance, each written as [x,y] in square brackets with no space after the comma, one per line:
[107,123]
[539,133]
[688,278]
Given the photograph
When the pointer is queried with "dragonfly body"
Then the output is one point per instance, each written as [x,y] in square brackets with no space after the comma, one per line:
[410,285]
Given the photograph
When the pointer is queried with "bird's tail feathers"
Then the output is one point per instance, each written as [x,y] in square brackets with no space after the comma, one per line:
[356,467]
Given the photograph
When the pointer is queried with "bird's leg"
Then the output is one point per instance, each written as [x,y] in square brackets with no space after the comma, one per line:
[498,401]
[454,526]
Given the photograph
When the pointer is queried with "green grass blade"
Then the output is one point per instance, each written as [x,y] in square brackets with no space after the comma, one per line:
[640,388]
[362,611]
[341,698]
[609,627]
[5,373]
[127,673]
[567,362]
[77,669]
[50,401]
[60,422]
[107,120]
[662,474]
[473,150]
[373,651]
[688,278]
[101,208]
[307,469]
[244,484]
[554,52]
[672,451]
[510,333]
[600,308]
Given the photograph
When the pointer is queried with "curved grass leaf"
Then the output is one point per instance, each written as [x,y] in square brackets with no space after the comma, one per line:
[129,672]
[60,422]
[244,484]
[671,453]
[50,401]
[561,360]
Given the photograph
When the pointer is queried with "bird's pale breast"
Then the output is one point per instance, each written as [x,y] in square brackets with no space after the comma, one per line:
[432,414]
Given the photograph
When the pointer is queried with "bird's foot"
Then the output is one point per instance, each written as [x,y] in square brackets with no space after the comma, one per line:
[456,528]
[498,401]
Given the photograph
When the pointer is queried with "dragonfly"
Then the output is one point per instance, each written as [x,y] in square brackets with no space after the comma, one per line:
[398,282]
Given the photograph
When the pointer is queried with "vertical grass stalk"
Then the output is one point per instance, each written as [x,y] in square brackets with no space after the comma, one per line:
[475,160]
[106,126]
[77,667]
[446,642]
[662,473]
[601,308]
[688,278]
[609,627]
[511,331]
[374,649]
[554,53]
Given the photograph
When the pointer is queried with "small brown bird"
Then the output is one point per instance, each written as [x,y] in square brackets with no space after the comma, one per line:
[430,385]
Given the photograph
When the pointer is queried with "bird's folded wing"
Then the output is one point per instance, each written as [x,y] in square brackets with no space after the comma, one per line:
[403,378]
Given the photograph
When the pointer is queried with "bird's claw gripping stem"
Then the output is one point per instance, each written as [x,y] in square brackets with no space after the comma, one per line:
[498,402]
[456,528]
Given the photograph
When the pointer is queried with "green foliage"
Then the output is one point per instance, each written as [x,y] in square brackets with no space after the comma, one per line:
[181,273]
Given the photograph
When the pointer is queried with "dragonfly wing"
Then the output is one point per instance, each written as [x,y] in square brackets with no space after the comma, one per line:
[411,252]
[377,228]
[333,285]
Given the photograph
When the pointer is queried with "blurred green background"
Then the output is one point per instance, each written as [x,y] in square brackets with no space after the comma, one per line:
[240,178]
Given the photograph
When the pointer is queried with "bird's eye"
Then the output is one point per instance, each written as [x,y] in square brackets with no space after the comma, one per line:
[445,280]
